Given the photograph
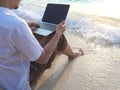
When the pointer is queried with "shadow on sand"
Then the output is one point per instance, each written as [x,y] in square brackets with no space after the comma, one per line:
[51,82]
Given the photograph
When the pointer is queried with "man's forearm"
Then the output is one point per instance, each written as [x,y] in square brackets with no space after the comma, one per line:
[49,48]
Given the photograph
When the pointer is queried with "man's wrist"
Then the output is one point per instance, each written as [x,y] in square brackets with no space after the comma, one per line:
[58,34]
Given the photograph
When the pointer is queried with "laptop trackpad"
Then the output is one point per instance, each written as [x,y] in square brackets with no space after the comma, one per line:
[43,32]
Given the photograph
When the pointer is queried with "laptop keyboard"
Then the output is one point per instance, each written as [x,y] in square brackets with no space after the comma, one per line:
[48,26]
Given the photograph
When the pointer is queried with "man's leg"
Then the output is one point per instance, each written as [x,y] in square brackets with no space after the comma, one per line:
[64,47]
[69,52]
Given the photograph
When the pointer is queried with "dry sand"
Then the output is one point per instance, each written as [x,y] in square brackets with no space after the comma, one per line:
[98,69]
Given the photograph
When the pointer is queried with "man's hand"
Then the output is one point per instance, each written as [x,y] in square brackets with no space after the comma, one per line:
[33,26]
[60,29]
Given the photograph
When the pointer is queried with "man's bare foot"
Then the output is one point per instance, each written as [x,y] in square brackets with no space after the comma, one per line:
[76,54]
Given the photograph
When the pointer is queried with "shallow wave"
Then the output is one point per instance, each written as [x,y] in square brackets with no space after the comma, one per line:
[95,31]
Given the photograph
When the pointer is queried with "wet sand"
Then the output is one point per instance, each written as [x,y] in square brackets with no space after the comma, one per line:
[98,69]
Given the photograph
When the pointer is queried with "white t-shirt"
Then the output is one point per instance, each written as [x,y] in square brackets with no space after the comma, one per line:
[18,47]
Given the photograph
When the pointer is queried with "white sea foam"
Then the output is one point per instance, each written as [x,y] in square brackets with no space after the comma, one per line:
[97,32]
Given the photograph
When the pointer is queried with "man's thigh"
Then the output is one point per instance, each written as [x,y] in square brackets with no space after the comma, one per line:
[43,40]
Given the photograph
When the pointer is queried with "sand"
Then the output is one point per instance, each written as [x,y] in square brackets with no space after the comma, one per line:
[98,69]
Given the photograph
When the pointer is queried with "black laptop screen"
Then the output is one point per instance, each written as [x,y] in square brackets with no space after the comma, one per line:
[55,13]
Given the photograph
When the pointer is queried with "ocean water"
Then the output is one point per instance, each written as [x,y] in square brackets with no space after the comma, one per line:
[94,21]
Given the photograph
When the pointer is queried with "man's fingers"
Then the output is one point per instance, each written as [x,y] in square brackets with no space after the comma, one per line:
[62,22]
[33,28]
[33,24]
[81,51]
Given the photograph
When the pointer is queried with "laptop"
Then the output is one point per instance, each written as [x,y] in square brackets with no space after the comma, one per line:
[53,15]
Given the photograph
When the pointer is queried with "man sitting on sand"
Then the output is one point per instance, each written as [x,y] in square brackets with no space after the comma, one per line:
[21,51]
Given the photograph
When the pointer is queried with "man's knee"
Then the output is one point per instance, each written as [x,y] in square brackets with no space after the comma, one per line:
[62,44]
